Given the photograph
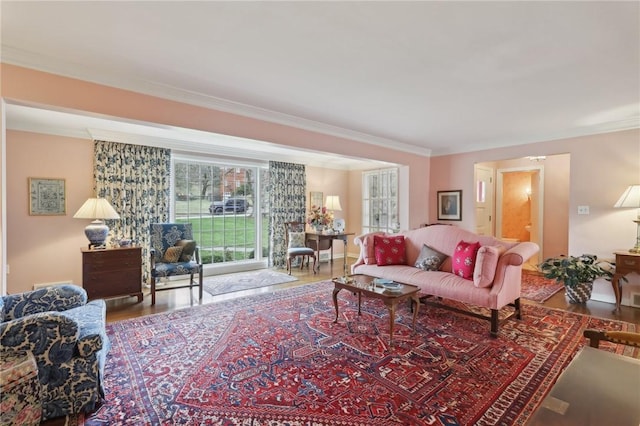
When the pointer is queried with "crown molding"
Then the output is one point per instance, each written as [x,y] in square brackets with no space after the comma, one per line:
[49,64]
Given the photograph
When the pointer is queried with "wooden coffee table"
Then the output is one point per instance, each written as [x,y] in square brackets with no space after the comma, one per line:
[364,285]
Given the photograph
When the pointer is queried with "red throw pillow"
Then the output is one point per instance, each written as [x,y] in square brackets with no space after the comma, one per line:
[464,259]
[389,250]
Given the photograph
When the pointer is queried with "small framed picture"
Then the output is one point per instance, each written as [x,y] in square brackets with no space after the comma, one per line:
[450,205]
[47,197]
[315,199]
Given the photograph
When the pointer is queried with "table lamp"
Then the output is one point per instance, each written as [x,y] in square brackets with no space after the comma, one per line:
[631,198]
[333,205]
[97,209]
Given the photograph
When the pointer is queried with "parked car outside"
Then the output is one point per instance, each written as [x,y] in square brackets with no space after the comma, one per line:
[217,207]
[232,205]
[235,205]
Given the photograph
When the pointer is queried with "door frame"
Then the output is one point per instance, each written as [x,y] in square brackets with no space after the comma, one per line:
[537,195]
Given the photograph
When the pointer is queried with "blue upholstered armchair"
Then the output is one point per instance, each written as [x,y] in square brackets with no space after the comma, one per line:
[174,252]
[67,336]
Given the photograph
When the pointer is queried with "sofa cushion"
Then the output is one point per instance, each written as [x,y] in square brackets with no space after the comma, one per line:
[188,248]
[429,259]
[389,250]
[297,239]
[368,248]
[486,263]
[172,255]
[464,259]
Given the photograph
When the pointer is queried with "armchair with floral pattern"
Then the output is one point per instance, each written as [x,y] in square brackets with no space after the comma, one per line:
[174,252]
[67,336]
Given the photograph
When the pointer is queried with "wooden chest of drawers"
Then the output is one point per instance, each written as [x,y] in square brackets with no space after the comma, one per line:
[113,272]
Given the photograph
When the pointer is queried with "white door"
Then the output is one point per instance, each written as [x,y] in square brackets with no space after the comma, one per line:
[484,199]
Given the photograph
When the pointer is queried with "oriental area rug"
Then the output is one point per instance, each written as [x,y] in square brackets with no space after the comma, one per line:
[279,359]
[537,288]
[228,283]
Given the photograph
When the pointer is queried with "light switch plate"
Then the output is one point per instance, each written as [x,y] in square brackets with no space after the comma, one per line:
[583,209]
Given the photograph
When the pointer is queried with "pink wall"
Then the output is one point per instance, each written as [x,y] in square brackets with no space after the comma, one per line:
[28,85]
[61,237]
[601,167]
[45,248]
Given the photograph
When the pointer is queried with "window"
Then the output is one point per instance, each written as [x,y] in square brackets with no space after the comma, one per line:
[222,202]
[380,201]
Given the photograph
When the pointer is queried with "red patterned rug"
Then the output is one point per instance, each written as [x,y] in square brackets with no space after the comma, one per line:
[537,288]
[278,359]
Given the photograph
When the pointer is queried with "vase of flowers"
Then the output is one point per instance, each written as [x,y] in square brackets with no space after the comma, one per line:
[319,218]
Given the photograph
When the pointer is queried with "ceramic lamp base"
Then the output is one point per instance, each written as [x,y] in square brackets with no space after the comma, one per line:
[636,249]
[96,233]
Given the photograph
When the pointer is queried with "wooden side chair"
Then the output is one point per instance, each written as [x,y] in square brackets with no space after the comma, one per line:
[295,240]
[620,337]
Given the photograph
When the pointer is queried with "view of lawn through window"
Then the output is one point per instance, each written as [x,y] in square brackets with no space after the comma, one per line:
[225,204]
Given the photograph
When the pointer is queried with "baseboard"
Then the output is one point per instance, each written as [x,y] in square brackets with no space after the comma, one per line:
[43,285]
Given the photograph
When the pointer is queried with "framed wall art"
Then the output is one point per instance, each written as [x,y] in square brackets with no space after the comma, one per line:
[47,197]
[315,199]
[450,205]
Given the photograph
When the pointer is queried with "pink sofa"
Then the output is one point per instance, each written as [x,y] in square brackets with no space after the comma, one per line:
[501,288]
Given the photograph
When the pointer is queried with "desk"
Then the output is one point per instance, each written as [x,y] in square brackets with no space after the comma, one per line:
[597,388]
[626,262]
[318,236]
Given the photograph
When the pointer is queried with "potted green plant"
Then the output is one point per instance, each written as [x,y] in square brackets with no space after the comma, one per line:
[577,273]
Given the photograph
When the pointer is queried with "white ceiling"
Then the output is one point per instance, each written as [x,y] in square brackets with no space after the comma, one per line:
[432,77]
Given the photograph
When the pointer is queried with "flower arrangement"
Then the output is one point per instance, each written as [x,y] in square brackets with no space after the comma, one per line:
[319,216]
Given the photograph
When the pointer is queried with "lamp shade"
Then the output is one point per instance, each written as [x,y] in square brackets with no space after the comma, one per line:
[630,197]
[333,203]
[97,209]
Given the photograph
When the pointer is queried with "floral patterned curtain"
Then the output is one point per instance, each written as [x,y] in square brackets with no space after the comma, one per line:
[135,179]
[287,202]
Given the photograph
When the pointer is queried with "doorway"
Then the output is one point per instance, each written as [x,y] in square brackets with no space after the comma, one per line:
[509,202]
[520,205]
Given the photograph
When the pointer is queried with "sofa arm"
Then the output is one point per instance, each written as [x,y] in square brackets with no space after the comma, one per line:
[50,336]
[54,298]
[508,277]
[91,320]
[365,241]
[519,253]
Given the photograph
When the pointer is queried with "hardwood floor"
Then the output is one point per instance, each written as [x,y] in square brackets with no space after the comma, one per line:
[119,309]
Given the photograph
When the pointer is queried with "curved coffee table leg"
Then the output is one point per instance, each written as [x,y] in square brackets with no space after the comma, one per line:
[416,300]
[391,305]
[335,302]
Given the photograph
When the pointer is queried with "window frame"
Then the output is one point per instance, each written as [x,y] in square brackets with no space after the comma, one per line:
[381,196]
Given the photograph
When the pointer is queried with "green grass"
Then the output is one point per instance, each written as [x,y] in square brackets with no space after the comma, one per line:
[226,237]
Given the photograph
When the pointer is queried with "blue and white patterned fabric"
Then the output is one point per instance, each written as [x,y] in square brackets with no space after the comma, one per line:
[163,236]
[67,336]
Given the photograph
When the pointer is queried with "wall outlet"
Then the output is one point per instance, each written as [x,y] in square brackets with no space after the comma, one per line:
[583,209]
